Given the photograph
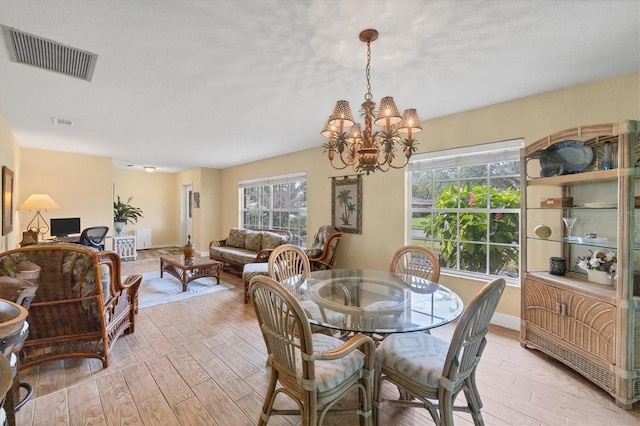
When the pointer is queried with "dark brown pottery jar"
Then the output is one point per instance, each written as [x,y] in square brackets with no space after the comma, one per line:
[189,250]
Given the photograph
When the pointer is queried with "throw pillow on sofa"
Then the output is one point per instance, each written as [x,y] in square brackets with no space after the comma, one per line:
[271,240]
[253,241]
[236,238]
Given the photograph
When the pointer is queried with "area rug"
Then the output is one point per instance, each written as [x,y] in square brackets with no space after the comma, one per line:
[157,291]
[154,253]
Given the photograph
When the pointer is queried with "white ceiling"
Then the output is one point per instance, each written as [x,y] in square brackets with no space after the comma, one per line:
[184,84]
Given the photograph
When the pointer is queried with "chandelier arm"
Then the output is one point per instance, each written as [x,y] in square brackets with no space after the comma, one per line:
[399,167]
[338,168]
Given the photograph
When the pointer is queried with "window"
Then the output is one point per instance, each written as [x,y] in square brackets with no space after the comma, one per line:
[464,204]
[278,202]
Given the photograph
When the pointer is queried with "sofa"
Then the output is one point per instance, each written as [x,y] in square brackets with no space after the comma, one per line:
[81,306]
[247,245]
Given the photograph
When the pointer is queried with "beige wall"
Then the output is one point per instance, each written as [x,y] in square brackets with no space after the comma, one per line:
[80,184]
[156,194]
[384,194]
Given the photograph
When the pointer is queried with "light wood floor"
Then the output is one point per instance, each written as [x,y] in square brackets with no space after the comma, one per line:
[202,362]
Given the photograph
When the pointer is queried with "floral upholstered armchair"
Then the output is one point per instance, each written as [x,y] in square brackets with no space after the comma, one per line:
[81,306]
[322,253]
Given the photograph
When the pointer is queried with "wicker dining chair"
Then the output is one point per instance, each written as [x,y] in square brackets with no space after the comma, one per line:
[429,368]
[408,260]
[313,369]
[289,265]
[416,260]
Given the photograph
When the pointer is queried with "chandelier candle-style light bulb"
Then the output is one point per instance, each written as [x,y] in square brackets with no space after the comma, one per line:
[363,149]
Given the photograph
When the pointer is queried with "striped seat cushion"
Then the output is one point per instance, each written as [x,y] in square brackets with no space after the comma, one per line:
[418,356]
[330,374]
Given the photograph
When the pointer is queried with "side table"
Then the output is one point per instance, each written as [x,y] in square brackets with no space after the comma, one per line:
[125,246]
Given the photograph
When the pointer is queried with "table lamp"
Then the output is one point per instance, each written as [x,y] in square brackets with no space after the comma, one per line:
[38,202]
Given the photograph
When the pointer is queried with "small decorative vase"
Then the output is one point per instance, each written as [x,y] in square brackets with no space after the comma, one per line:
[119,227]
[189,250]
[600,277]
[557,266]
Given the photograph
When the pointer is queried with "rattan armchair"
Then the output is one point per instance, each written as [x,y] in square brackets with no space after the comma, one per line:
[430,369]
[322,253]
[81,306]
[315,370]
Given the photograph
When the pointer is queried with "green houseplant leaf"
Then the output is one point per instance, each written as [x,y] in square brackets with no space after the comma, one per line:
[125,212]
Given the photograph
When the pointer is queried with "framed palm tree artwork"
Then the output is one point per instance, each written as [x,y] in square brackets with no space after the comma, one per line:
[7,200]
[346,203]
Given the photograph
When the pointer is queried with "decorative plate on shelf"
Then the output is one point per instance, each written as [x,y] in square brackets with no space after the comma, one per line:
[566,157]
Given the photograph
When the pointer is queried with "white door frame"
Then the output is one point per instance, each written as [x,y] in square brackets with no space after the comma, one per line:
[186,211]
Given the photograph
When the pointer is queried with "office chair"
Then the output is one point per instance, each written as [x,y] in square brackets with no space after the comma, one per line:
[94,236]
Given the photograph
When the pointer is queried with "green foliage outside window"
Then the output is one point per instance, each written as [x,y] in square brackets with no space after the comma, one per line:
[465,229]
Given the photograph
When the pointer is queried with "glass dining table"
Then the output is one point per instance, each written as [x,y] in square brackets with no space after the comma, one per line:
[377,302]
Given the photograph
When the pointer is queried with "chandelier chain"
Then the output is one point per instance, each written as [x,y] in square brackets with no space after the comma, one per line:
[368,96]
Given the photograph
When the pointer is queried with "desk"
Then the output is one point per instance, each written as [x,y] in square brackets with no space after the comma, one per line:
[379,301]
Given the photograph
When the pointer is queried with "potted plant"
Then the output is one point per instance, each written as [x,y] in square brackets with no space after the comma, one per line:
[124,213]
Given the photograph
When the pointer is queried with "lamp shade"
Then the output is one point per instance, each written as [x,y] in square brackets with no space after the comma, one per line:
[39,202]
[341,115]
[329,129]
[388,112]
[410,121]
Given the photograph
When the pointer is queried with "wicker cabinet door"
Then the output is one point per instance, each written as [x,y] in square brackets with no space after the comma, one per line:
[543,307]
[590,325]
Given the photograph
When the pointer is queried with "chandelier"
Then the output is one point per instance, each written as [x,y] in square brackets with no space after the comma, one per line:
[363,149]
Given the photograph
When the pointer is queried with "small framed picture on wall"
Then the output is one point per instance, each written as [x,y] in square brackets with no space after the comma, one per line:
[346,204]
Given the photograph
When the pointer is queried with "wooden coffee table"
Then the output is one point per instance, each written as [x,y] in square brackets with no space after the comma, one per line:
[188,271]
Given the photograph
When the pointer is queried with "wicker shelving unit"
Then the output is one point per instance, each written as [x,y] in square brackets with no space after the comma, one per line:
[592,328]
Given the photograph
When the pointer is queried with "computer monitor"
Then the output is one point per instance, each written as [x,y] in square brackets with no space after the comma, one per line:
[63,227]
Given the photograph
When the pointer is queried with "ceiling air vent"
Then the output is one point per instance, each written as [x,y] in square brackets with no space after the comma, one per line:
[39,52]
[64,121]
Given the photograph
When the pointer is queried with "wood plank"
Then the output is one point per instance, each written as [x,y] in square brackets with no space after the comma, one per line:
[51,409]
[171,384]
[156,411]
[191,412]
[225,377]
[117,403]
[219,406]
[235,360]
[50,378]
[188,367]
[76,371]
[85,407]
[140,382]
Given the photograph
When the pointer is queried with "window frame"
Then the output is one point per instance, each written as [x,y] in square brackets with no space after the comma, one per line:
[300,232]
[484,154]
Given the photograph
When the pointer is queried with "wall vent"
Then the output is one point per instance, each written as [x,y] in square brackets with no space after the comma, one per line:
[39,52]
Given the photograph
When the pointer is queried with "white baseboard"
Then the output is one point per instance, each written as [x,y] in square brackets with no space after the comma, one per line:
[506,321]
